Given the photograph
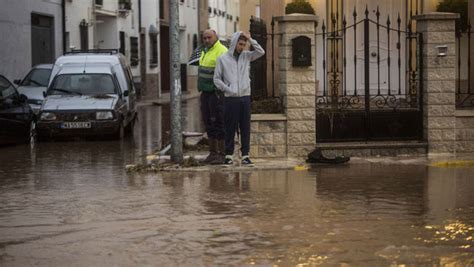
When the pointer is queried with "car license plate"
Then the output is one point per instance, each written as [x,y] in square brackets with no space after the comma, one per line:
[76,125]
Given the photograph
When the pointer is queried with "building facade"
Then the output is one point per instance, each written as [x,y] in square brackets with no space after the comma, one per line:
[32,33]
[224,17]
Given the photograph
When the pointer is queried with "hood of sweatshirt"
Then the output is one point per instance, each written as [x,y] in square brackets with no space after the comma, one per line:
[233,42]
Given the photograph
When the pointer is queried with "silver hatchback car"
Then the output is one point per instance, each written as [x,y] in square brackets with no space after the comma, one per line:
[89,94]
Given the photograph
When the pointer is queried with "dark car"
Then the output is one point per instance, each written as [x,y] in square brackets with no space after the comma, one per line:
[17,120]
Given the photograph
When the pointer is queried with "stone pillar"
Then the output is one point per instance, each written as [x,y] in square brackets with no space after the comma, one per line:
[298,85]
[439,81]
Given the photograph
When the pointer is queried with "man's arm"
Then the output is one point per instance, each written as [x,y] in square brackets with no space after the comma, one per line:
[258,50]
[218,82]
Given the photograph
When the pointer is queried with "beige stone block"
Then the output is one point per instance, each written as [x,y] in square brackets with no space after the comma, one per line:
[308,138]
[439,37]
[308,89]
[441,123]
[439,62]
[440,99]
[448,86]
[464,123]
[254,137]
[254,126]
[295,139]
[265,139]
[299,151]
[253,152]
[300,102]
[436,26]
[305,28]
[298,77]
[279,138]
[291,89]
[441,135]
[442,147]
[440,74]
[272,151]
[464,146]
[465,135]
[440,110]
[301,126]
[272,126]
[301,114]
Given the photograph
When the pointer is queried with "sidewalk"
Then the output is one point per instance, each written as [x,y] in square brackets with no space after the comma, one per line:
[162,163]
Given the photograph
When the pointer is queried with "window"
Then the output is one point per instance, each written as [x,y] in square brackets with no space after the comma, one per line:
[122,42]
[99,2]
[37,77]
[125,4]
[6,89]
[153,50]
[84,33]
[133,51]
[83,84]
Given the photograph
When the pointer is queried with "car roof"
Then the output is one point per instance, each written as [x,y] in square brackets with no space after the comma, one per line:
[77,68]
[43,66]
[86,58]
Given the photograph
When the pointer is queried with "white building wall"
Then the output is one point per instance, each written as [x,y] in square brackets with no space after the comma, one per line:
[151,17]
[15,32]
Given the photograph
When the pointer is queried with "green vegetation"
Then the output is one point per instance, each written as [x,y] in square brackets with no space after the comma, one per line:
[456,6]
[299,6]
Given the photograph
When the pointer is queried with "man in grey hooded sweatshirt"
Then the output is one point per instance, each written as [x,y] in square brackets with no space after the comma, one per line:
[232,77]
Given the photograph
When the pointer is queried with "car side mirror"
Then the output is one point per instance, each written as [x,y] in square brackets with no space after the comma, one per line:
[125,93]
[45,94]
[17,81]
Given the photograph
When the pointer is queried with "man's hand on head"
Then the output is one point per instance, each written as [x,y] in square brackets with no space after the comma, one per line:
[247,35]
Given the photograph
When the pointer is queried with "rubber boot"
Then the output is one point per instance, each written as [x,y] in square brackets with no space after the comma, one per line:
[212,151]
[220,156]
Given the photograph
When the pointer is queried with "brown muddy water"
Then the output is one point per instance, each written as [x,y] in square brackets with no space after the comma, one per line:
[73,204]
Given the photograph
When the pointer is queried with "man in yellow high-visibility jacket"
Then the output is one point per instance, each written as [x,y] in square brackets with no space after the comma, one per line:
[212,101]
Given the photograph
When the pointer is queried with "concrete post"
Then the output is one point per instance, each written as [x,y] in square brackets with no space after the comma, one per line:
[298,85]
[439,81]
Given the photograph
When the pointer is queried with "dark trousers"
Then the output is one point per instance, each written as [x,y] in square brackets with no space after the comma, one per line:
[237,116]
[212,110]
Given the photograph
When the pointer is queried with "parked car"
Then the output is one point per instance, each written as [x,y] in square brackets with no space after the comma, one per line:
[89,94]
[34,85]
[17,120]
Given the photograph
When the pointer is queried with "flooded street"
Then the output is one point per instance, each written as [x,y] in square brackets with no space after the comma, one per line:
[73,204]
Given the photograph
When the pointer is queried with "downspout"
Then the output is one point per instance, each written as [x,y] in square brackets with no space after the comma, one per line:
[63,9]
[139,15]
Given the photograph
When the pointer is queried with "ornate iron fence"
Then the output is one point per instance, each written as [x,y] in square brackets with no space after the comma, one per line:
[464,90]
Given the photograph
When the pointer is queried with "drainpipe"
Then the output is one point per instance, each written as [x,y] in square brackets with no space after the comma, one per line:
[139,15]
[63,10]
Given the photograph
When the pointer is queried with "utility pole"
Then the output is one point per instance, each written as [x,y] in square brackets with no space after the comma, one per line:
[175,82]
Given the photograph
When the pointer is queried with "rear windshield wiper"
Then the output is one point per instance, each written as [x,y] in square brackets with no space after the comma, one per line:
[66,91]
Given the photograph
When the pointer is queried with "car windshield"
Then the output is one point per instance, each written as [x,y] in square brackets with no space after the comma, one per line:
[6,88]
[37,77]
[83,84]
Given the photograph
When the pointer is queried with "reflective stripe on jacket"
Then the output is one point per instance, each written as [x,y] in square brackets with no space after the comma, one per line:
[207,63]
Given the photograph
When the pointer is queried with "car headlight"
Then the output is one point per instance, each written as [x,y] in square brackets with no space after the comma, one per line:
[48,116]
[104,115]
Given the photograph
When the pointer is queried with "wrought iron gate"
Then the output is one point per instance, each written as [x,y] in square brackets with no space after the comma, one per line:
[258,68]
[369,91]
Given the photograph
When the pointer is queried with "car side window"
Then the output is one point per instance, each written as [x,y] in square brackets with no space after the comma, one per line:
[128,77]
[6,89]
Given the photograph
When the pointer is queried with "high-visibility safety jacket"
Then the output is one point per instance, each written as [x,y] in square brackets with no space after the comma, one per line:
[207,64]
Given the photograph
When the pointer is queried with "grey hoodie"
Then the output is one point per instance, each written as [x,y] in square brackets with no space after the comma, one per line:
[231,75]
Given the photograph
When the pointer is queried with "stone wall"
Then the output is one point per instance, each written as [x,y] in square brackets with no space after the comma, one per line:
[268,136]
[464,131]
[439,81]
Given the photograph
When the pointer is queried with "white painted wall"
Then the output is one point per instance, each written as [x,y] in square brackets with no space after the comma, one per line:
[15,32]
[104,22]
